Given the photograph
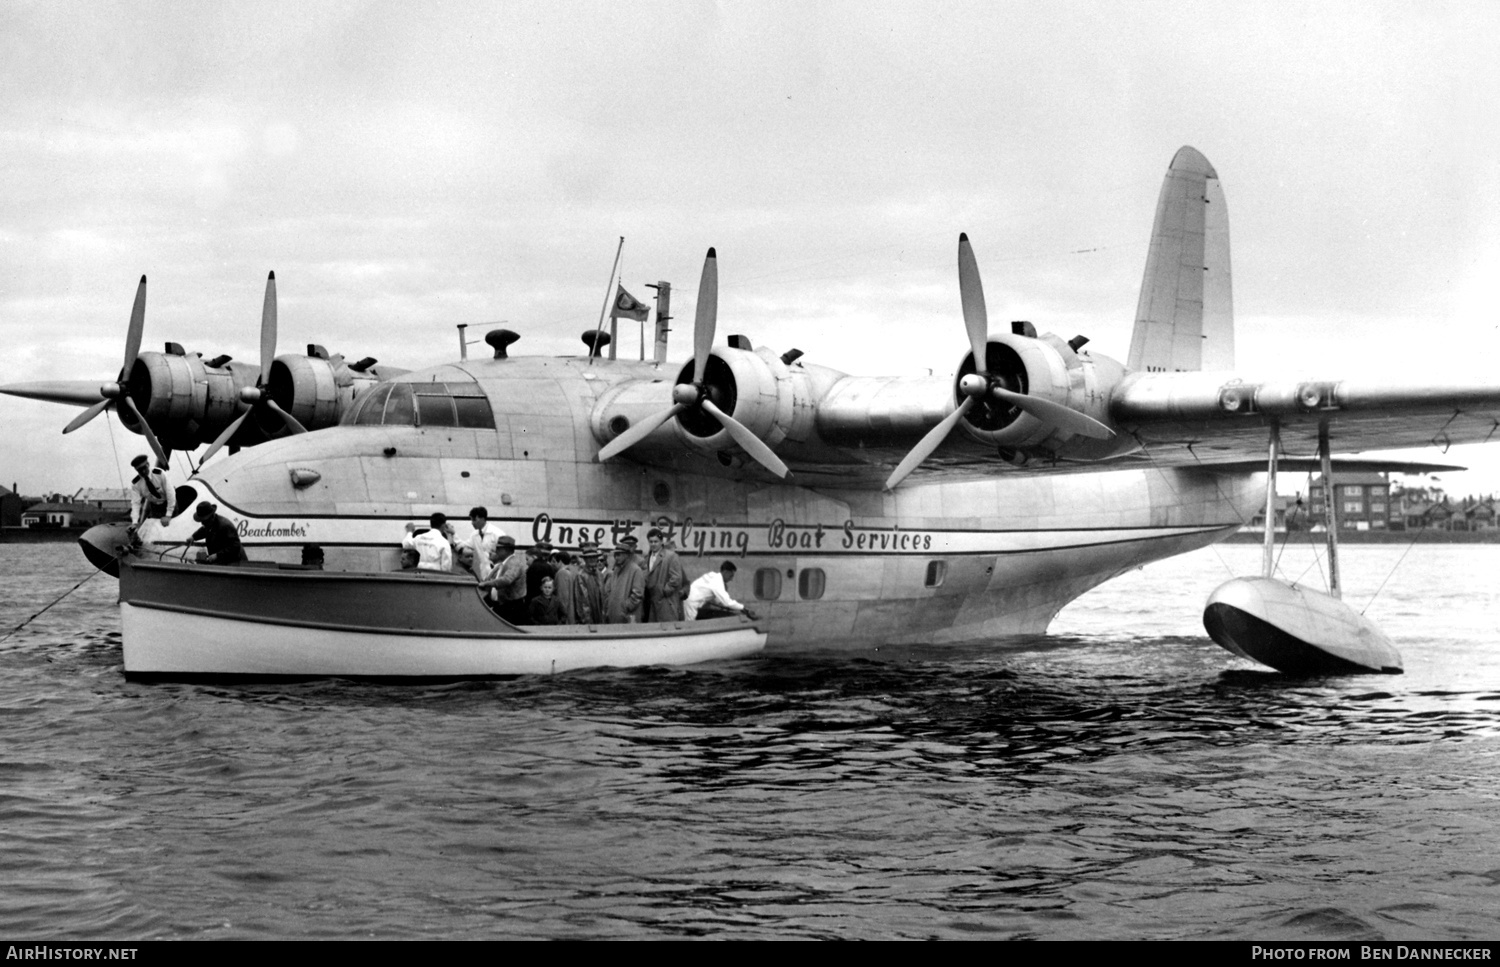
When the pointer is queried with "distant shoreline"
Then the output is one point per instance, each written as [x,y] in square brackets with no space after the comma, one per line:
[1425,536]
[40,535]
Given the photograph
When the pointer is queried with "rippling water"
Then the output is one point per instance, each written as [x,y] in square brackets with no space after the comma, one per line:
[1123,779]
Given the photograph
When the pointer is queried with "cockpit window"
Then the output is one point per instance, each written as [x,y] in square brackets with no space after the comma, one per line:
[423,404]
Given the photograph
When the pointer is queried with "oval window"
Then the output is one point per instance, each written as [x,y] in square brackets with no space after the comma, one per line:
[810,583]
[768,584]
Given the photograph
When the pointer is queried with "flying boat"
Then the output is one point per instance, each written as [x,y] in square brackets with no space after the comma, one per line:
[860,509]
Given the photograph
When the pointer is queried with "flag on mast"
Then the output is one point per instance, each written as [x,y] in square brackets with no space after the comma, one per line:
[628,306]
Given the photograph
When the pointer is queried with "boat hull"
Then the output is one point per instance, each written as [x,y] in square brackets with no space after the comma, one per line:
[1296,630]
[183,620]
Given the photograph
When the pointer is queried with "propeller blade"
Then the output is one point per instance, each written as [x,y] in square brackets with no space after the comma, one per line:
[748,441]
[87,415]
[156,446]
[971,294]
[638,432]
[927,444]
[268,329]
[224,437]
[137,324]
[287,418]
[1062,417]
[707,316]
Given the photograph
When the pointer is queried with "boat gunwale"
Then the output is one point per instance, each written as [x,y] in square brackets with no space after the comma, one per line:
[502,630]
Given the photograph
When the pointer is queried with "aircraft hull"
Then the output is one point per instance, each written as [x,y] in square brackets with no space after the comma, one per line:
[204,620]
[1296,630]
[947,561]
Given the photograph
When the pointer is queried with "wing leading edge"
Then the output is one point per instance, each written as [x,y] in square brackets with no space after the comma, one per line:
[1182,419]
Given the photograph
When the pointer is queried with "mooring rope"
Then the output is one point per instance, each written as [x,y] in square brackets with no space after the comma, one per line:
[97,571]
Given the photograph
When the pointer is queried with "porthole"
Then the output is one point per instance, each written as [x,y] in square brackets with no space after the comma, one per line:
[936,572]
[661,493]
[768,584]
[810,583]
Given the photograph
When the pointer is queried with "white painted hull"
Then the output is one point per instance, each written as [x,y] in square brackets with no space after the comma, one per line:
[1296,630]
[158,642]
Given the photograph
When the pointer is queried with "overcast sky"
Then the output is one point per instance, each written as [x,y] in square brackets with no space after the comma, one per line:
[405,167]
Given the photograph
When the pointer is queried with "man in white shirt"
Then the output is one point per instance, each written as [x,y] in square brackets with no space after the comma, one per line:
[434,547]
[482,541]
[708,597]
[151,497]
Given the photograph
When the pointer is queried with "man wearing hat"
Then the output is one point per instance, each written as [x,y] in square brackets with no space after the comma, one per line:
[664,580]
[624,586]
[584,603]
[434,546]
[218,535]
[505,584]
[150,494]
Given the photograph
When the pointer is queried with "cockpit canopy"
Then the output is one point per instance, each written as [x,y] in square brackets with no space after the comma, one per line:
[460,404]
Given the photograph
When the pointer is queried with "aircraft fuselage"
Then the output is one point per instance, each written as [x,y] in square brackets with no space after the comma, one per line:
[946,557]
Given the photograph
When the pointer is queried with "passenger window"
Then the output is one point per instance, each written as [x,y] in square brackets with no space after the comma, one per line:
[936,571]
[768,584]
[810,583]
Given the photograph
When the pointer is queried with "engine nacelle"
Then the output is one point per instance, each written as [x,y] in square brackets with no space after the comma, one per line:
[756,390]
[186,401]
[1051,369]
[315,389]
[772,400]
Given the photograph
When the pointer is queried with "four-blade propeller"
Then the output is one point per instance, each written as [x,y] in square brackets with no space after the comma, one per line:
[695,395]
[982,386]
[117,394]
[256,395]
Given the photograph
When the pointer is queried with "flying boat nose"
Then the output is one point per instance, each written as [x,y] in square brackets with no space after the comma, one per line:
[103,544]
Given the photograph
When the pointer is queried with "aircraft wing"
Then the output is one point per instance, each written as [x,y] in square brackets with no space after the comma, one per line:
[1185,419]
[74,392]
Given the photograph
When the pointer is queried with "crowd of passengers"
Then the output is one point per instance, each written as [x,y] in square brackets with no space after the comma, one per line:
[542,585]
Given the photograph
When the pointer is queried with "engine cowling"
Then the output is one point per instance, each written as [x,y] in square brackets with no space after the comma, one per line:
[1046,367]
[315,389]
[187,401]
[754,387]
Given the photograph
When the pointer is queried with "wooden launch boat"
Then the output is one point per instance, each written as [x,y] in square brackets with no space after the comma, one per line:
[203,620]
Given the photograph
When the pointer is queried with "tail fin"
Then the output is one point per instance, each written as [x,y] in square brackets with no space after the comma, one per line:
[1185,318]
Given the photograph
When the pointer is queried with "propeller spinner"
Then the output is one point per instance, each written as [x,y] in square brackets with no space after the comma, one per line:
[984,387]
[695,395]
[117,394]
[256,396]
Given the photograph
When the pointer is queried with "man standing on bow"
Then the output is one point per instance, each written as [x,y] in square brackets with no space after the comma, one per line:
[664,580]
[151,497]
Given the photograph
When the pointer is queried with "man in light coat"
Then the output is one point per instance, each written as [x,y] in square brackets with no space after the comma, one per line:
[664,580]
